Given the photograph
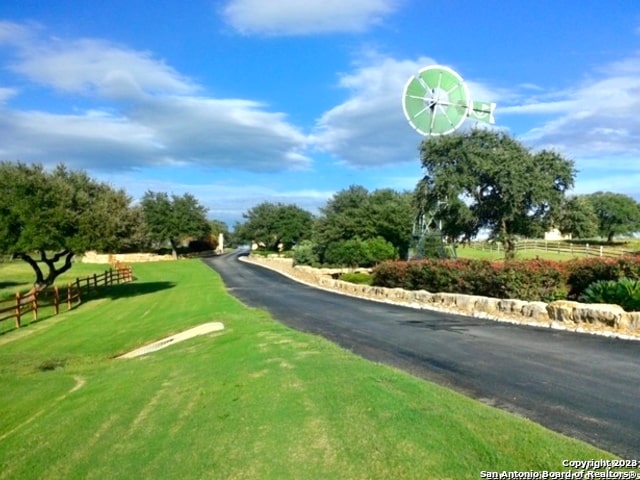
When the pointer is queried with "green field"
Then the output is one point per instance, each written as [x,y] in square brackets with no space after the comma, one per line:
[18,276]
[495,255]
[256,401]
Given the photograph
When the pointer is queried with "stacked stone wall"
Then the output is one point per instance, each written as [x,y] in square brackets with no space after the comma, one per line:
[562,314]
[93,257]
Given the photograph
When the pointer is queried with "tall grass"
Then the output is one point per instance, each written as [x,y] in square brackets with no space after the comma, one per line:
[256,401]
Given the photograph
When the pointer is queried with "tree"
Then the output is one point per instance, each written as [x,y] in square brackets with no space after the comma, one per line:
[174,218]
[577,217]
[510,190]
[274,224]
[357,213]
[617,214]
[219,227]
[48,217]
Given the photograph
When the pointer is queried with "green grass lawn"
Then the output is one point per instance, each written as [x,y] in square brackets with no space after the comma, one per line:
[256,401]
[17,275]
[495,255]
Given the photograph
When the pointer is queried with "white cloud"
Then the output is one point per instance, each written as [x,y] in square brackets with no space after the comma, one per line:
[295,17]
[6,94]
[369,128]
[90,66]
[598,117]
[232,133]
[164,122]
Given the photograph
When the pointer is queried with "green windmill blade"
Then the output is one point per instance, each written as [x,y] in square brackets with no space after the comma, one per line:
[436,102]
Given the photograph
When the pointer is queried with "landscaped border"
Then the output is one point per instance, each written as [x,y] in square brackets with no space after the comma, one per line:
[600,319]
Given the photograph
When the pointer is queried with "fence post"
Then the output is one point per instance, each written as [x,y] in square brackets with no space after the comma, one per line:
[69,296]
[111,276]
[95,281]
[18,309]
[600,250]
[79,290]
[34,305]
[56,299]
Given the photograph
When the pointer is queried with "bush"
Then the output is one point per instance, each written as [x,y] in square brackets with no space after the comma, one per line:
[379,250]
[359,253]
[305,253]
[533,280]
[584,272]
[624,292]
[393,275]
[527,280]
[356,277]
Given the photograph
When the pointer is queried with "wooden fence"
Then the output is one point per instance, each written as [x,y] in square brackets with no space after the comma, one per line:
[56,296]
[558,246]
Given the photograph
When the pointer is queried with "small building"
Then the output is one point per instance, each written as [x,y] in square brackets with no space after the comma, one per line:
[555,234]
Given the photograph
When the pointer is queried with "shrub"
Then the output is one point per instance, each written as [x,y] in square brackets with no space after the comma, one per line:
[393,275]
[305,253]
[346,253]
[624,292]
[379,250]
[527,280]
[359,253]
[359,278]
[584,272]
[533,280]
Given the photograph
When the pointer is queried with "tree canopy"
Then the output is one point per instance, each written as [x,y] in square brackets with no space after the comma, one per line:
[508,189]
[48,217]
[173,218]
[357,213]
[273,224]
[577,217]
[617,214]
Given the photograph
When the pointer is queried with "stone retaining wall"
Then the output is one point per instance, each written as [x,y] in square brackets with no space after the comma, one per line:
[602,319]
[94,257]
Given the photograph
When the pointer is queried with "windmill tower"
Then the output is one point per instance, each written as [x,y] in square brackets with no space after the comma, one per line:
[436,102]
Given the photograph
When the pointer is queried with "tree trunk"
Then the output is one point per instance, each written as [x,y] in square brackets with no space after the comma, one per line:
[174,249]
[509,244]
[41,281]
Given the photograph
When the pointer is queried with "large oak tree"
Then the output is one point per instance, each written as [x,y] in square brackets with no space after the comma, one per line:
[617,214]
[509,189]
[47,217]
[175,217]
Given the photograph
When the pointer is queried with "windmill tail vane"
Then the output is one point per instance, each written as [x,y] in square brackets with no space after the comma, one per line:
[483,112]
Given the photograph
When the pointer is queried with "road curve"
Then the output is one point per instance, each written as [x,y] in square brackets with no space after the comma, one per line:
[584,386]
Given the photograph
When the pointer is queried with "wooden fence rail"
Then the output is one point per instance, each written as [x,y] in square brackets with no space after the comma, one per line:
[558,247]
[71,294]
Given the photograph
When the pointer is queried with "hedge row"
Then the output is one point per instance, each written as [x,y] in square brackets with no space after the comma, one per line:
[531,280]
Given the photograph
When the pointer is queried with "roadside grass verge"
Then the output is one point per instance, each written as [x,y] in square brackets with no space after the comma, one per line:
[256,401]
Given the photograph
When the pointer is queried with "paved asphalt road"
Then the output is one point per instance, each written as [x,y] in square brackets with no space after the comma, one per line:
[585,386]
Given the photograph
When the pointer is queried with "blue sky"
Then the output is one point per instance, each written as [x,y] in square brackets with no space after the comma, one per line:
[244,101]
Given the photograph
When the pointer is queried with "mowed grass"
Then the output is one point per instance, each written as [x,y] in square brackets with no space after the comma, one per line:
[495,255]
[18,276]
[256,401]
